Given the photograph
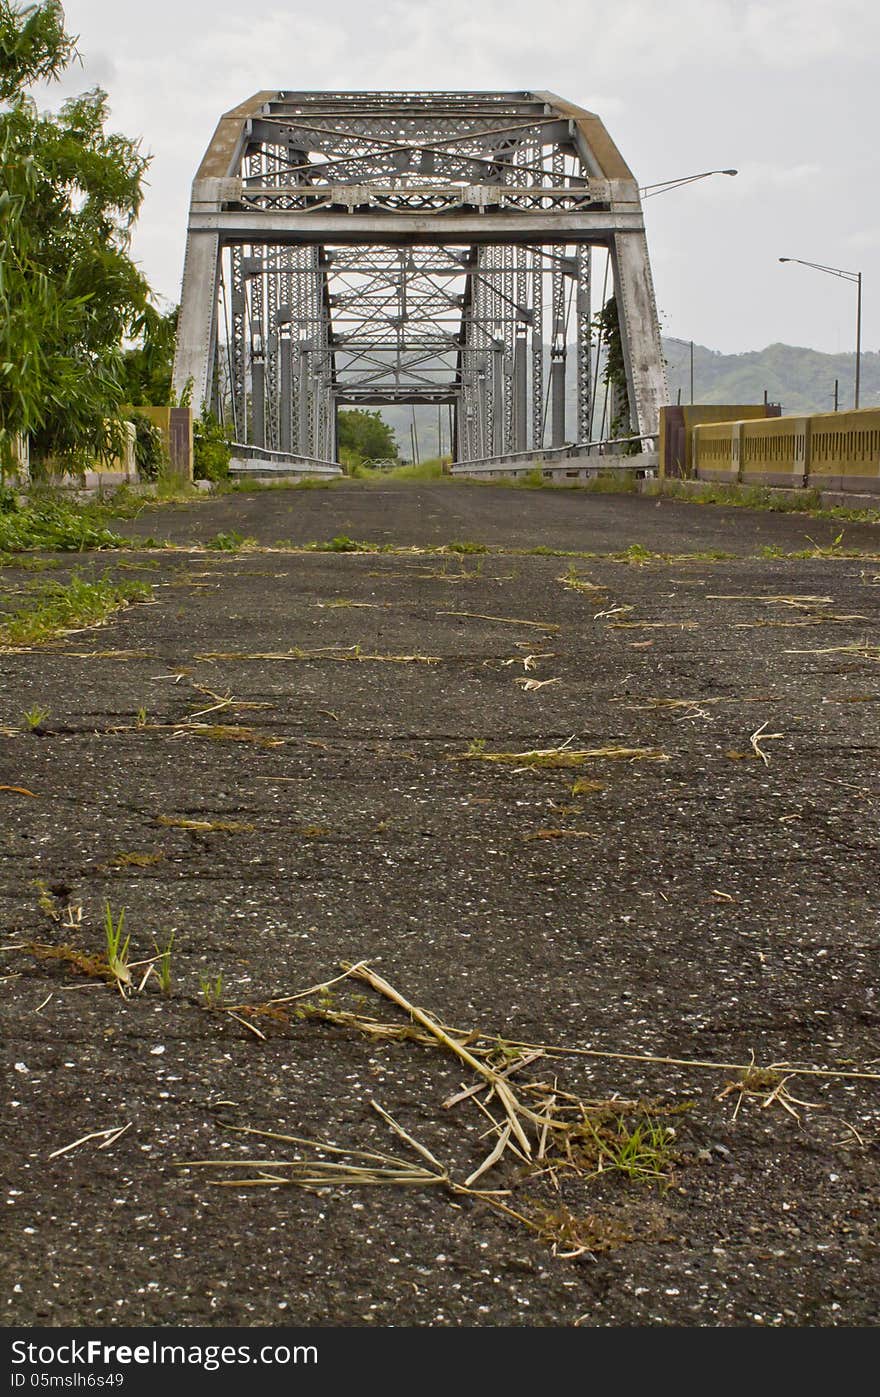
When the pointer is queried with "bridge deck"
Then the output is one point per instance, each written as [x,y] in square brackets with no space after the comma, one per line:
[704,906]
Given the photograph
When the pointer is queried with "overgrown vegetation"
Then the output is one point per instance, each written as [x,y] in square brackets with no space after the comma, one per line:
[229,541]
[69,292]
[607,323]
[363,437]
[57,525]
[147,365]
[149,451]
[433,469]
[763,497]
[211,449]
[54,608]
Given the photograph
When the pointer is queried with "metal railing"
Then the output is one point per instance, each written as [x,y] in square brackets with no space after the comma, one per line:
[584,452]
[268,461]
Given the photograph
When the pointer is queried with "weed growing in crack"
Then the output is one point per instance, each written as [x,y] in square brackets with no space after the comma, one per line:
[46,902]
[343,544]
[162,965]
[117,949]
[231,542]
[212,990]
[56,608]
[467,547]
[35,716]
[643,1153]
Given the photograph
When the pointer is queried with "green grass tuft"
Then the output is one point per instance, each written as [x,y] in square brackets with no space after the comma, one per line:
[54,608]
[231,542]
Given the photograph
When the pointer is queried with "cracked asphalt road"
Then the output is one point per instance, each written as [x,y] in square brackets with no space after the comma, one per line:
[701,904]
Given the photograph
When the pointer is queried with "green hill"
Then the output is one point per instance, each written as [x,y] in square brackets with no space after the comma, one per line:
[802,380]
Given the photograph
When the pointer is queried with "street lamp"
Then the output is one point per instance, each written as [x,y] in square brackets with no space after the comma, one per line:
[846,276]
[650,191]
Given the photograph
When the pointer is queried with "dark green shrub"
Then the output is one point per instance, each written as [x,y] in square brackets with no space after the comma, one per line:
[149,450]
[211,449]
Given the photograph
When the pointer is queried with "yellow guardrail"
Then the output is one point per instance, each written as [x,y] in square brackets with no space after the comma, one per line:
[826,451]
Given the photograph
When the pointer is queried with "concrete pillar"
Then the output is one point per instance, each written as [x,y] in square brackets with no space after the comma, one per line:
[197,323]
[639,331]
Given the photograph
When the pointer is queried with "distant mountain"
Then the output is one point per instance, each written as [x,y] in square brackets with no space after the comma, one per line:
[802,380]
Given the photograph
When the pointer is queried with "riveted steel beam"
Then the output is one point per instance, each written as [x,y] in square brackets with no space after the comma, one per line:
[401,247]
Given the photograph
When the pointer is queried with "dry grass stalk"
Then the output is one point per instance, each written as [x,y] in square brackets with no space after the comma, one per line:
[531,685]
[215,732]
[768,1087]
[221,701]
[686,705]
[109,1137]
[246,1024]
[503,620]
[800,603]
[322,988]
[513,1108]
[573,583]
[205,826]
[613,611]
[759,736]
[559,1050]
[553,833]
[352,654]
[104,654]
[330,1166]
[653,625]
[824,618]
[564,756]
[466,1093]
[529,662]
[864,651]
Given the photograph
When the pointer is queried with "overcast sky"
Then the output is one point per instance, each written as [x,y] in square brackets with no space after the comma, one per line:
[785,90]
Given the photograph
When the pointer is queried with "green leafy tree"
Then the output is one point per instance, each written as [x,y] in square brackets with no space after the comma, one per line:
[149,451]
[366,435]
[69,292]
[147,365]
[33,45]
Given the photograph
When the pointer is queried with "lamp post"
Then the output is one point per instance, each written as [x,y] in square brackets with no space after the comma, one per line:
[649,191]
[845,276]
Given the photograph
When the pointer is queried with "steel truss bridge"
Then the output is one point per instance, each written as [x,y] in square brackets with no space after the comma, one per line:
[361,248]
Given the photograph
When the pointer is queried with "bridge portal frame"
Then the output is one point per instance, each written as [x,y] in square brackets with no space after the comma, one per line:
[297,191]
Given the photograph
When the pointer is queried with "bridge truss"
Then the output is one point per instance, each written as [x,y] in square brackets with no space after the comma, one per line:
[412,247]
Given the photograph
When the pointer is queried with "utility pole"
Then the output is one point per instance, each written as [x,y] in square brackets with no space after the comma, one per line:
[855,277]
[858,337]
[692,373]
